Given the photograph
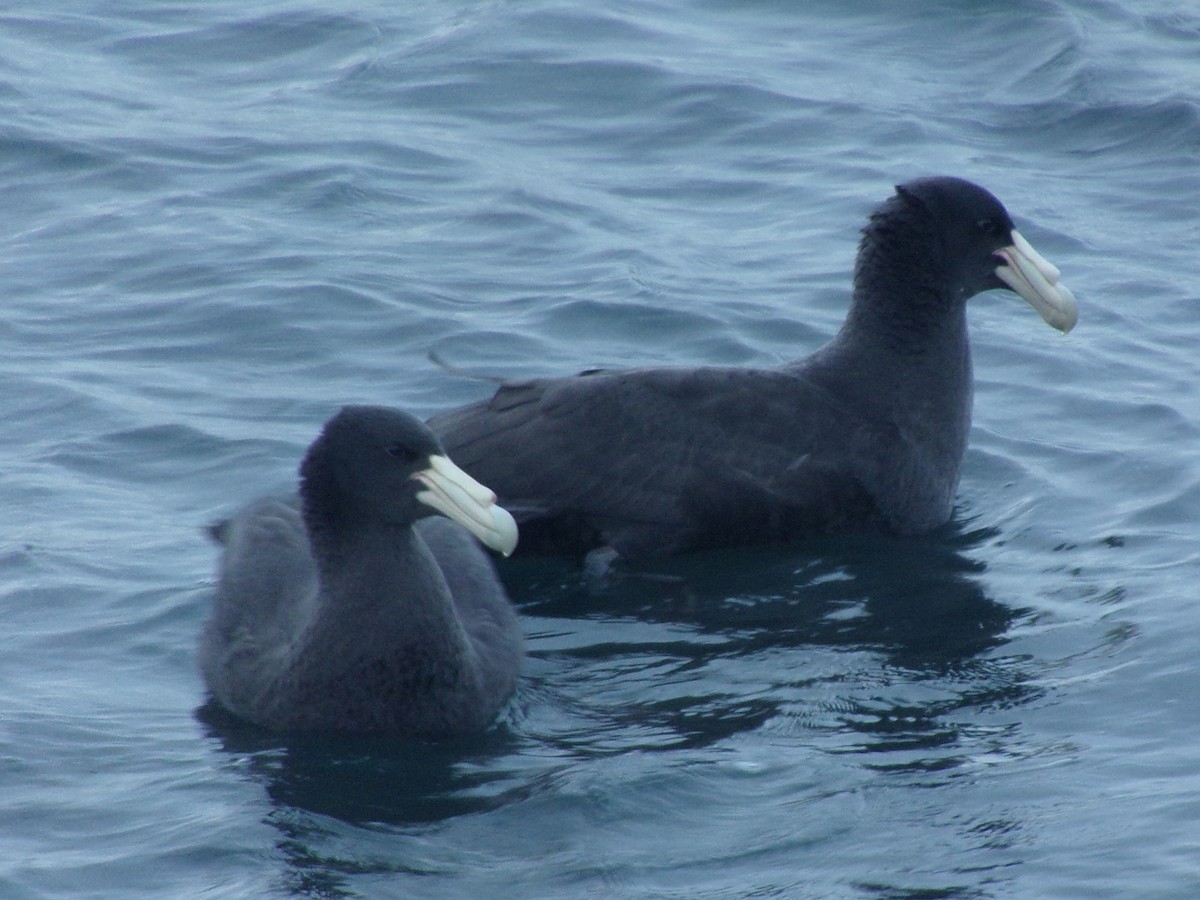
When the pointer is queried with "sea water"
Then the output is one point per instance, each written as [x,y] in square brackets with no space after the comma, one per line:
[220,221]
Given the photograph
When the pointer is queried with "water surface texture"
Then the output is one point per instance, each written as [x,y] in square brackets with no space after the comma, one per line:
[220,221]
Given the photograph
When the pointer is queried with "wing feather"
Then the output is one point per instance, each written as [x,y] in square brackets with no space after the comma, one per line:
[657,460]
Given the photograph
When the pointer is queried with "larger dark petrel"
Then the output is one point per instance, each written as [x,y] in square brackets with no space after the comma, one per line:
[868,432]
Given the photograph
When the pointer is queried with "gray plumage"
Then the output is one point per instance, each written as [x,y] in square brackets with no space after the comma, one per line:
[868,432]
[344,609]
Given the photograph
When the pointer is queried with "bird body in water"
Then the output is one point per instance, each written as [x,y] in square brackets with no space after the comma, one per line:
[349,607]
[868,432]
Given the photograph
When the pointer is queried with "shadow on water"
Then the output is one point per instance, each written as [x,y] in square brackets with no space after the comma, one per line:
[314,782]
[917,607]
[368,779]
[918,601]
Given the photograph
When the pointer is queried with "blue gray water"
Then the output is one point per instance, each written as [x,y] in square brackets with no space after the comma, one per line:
[220,221]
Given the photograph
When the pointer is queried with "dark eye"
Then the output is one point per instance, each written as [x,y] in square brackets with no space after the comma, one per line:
[402,452]
[991,227]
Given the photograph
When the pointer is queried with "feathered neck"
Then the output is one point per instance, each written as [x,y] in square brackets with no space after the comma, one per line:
[902,298]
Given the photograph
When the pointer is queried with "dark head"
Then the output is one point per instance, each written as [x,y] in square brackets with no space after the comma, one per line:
[940,241]
[377,466]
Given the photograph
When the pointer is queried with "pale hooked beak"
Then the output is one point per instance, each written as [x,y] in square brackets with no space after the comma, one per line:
[458,496]
[1034,278]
